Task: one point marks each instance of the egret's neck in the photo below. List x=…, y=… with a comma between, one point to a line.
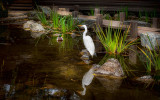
x=85, y=31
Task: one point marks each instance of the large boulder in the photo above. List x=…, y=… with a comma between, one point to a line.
x=150, y=40
x=111, y=68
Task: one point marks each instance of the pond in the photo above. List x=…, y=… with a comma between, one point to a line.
x=55, y=72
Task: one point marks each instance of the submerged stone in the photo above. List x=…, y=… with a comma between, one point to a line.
x=111, y=68
x=84, y=52
x=150, y=39
x=145, y=79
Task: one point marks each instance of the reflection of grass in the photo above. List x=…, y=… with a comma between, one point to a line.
x=116, y=43
x=67, y=43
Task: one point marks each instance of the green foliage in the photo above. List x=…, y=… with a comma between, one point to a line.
x=125, y=9
x=91, y=12
x=146, y=16
x=41, y=16
x=55, y=19
x=67, y=43
x=108, y=17
x=140, y=15
x=115, y=43
x=70, y=24
x=63, y=26
x=153, y=58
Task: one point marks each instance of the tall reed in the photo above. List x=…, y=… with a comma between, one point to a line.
x=153, y=57
x=114, y=41
x=41, y=16
x=55, y=19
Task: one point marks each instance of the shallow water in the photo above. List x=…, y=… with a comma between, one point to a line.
x=55, y=72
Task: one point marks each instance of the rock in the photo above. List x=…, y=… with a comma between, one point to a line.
x=85, y=57
x=64, y=12
x=32, y=14
x=35, y=27
x=87, y=61
x=85, y=52
x=154, y=40
x=111, y=68
x=74, y=97
x=46, y=10
x=28, y=24
x=145, y=79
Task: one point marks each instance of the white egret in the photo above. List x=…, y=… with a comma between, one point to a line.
x=88, y=42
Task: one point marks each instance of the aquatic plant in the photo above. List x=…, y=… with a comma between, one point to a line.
x=116, y=43
x=125, y=9
x=140, y=15
x=55, y=19
x=146, y=16
x=153, y=57
x=108, y=17
x=71, y=24
x=41, y=16
x=126, y=12
x=91, y=12
x=67, y=43
x=63, y=24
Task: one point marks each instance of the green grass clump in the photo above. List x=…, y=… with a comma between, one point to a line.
x=63, y=24
x=114, y=41
x=55, y=19
x=41, y=16
x=152, y=58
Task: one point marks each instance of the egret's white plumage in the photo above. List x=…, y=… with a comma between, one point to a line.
x=88, y=42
